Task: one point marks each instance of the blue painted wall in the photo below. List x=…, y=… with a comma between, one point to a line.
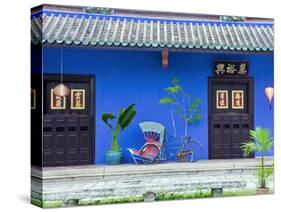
x=125, y=77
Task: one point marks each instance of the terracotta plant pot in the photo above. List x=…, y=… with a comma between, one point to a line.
x=262, y=191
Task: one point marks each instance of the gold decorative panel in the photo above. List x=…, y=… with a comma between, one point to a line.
x=237, y=99
x=77, y=99
x=57, y=102
x=222, y=99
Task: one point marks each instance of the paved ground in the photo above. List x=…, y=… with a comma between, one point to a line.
x=102, y=182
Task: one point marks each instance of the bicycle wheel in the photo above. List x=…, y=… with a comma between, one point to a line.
x=194, y=150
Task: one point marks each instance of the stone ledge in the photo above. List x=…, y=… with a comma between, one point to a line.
x=103, y=171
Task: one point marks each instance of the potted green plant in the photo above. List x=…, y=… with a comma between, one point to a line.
x=262, y=142
x=185, y=107
x=125, y=116
x=182, y=105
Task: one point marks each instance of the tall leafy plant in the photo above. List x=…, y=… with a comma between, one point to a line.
x=124, y=118
x=262, y=142
x=182, y=105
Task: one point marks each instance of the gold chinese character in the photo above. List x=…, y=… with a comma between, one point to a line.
x=58, y=101
x=237, y=96
x=78, y=99
x=222, y=99
x=230, y=69
x=242, y=69
x=237, y=102
x=220, y=69
x=222, y=102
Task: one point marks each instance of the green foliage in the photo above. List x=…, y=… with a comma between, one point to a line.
x=266, y=173
x=182, y=104
x=260, y=141
x=36, y=202
x=178, y=196
x=125, y=117
x=243, y=192
x=137, y=198
x=167, y=100
x=248, y=148
x=53, y=204
x=106, y=116
x=173, y=89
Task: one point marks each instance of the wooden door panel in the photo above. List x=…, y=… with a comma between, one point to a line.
x=235, y=138
x=217, y=137
x=48, y=141
x=68, y=131
x=84, y=140
x=72, y=157
x=84, y=155
x=60, y=141
x=229, y=125
x=72, y=141
x=226, y=144
x=48, y=158
x=236, y=147
x=59, y=157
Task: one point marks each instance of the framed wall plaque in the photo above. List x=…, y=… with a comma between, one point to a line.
x=57, y=102
x=222, y=99
x=237, y=99
x=231, y=68
x=77, y=99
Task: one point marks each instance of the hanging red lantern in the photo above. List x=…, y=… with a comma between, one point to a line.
x=269, y=92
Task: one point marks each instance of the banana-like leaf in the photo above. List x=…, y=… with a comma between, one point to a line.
x=126, y=116
x=106, y=117
x=129, y=118
x=121, y=111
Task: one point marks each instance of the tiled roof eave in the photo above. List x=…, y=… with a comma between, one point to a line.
x=106, y=31
x=151, y=48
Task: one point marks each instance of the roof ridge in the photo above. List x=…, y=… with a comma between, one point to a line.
x=144, y=13
x=58, y=12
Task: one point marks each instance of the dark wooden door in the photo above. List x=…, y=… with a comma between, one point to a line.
x=68, y=124
x=230, y=116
